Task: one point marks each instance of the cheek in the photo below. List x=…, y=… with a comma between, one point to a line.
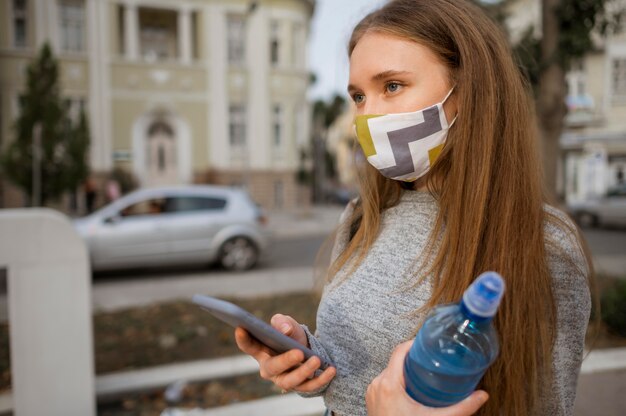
x=408, y=101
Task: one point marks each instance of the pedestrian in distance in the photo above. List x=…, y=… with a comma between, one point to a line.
x=452, y=188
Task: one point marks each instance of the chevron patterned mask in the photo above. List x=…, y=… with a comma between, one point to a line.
x=403, y=146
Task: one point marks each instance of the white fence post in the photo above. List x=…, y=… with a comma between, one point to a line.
x=49, y=297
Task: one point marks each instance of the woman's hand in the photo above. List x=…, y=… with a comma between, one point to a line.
x=286, y=370
x=386, y=394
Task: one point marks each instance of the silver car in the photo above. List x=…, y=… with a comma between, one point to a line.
x=176, y=225
x=608, y=210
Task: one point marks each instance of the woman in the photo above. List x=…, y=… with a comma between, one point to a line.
x=452, y=188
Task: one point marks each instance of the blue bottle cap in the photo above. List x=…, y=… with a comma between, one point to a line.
x=483, y=296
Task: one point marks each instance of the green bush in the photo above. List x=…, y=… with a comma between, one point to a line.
x=614, y=307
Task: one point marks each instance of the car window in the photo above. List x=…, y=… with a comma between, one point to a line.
x=616, y=192
x=155, y=206
x=195, y=203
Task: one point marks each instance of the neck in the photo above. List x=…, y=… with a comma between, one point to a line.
x=420, y=185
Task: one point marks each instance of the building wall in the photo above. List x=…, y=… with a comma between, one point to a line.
x=125, y=93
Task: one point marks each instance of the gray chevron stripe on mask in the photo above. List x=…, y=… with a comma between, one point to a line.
x=400, y=139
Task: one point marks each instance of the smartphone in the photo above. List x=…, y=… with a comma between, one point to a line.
x=260, y=330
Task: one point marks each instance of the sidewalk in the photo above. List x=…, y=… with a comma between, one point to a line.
x=304, y=222
x=251, y=284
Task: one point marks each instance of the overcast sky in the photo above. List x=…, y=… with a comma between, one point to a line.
x=330, y=31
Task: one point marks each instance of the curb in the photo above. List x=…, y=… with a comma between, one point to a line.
x=256, y=283
x=162, y=376
x=602, y=360
x=284, y=405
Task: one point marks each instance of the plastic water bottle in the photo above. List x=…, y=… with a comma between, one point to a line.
x=455, y=346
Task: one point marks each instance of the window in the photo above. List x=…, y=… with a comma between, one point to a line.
x=157, y=34
x=619, y=77
x=161, y=158
x=237, y=125
x=195, y=47
x=299, y=133
x=19, y=23
x=278, y=122
x=275, y=43
x=577, y=100
x=75, y=106
x=72, y=15
x=147, y=207
x=195, y=203
x=236, y=40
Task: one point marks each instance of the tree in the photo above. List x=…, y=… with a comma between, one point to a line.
x=43, y=127
x=324, y=114
x=568, y=31
x=568, y=28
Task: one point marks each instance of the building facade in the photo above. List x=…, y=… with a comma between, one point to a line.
x=177, y=91
x=594, y=141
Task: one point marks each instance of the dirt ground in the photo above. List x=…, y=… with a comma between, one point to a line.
x=168, y=333
x=180, y=331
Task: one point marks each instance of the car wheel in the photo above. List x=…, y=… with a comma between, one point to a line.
x=587, y=220
x=238, y=254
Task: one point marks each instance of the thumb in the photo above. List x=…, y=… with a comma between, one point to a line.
x=283, y=323
x=468, y=406
x=290, y=327
x=396, y=362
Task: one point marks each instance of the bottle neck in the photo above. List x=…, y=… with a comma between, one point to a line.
x=472, y=317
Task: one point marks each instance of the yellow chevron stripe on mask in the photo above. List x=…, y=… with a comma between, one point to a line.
x=363, y=134
x=434, y=153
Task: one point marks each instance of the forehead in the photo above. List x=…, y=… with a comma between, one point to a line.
x=378, y=52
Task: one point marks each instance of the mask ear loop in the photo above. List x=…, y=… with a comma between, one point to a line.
x=448, y=95
x=444, y=101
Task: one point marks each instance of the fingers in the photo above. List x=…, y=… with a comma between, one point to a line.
x=396, y=362
x=292, y=379
x=250, y=345
x=274, y=366
x=469, y=406
x=287, y=373
x=286, y=370
x=317, y=382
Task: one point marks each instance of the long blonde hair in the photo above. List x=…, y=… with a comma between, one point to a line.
x=488, y=185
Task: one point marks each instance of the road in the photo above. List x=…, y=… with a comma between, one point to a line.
x=606, y=242
x=283, y=254
x=297, y=252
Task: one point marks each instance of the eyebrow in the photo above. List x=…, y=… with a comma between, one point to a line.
x=382, y=75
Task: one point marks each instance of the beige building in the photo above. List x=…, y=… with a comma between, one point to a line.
x=177, y=91
x=594, y=141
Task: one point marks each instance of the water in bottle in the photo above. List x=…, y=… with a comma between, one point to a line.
x=455, y=346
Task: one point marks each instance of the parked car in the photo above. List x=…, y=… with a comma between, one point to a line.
x=176, y=225
x=608, y=210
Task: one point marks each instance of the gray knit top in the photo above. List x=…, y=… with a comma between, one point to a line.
x=362, y=319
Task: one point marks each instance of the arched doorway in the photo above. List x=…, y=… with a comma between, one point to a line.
x=161, y=157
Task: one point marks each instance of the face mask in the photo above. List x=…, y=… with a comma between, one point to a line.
x=403, y=146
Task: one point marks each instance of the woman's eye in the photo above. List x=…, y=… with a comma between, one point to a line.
x=358, y=98
x=393, y=87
